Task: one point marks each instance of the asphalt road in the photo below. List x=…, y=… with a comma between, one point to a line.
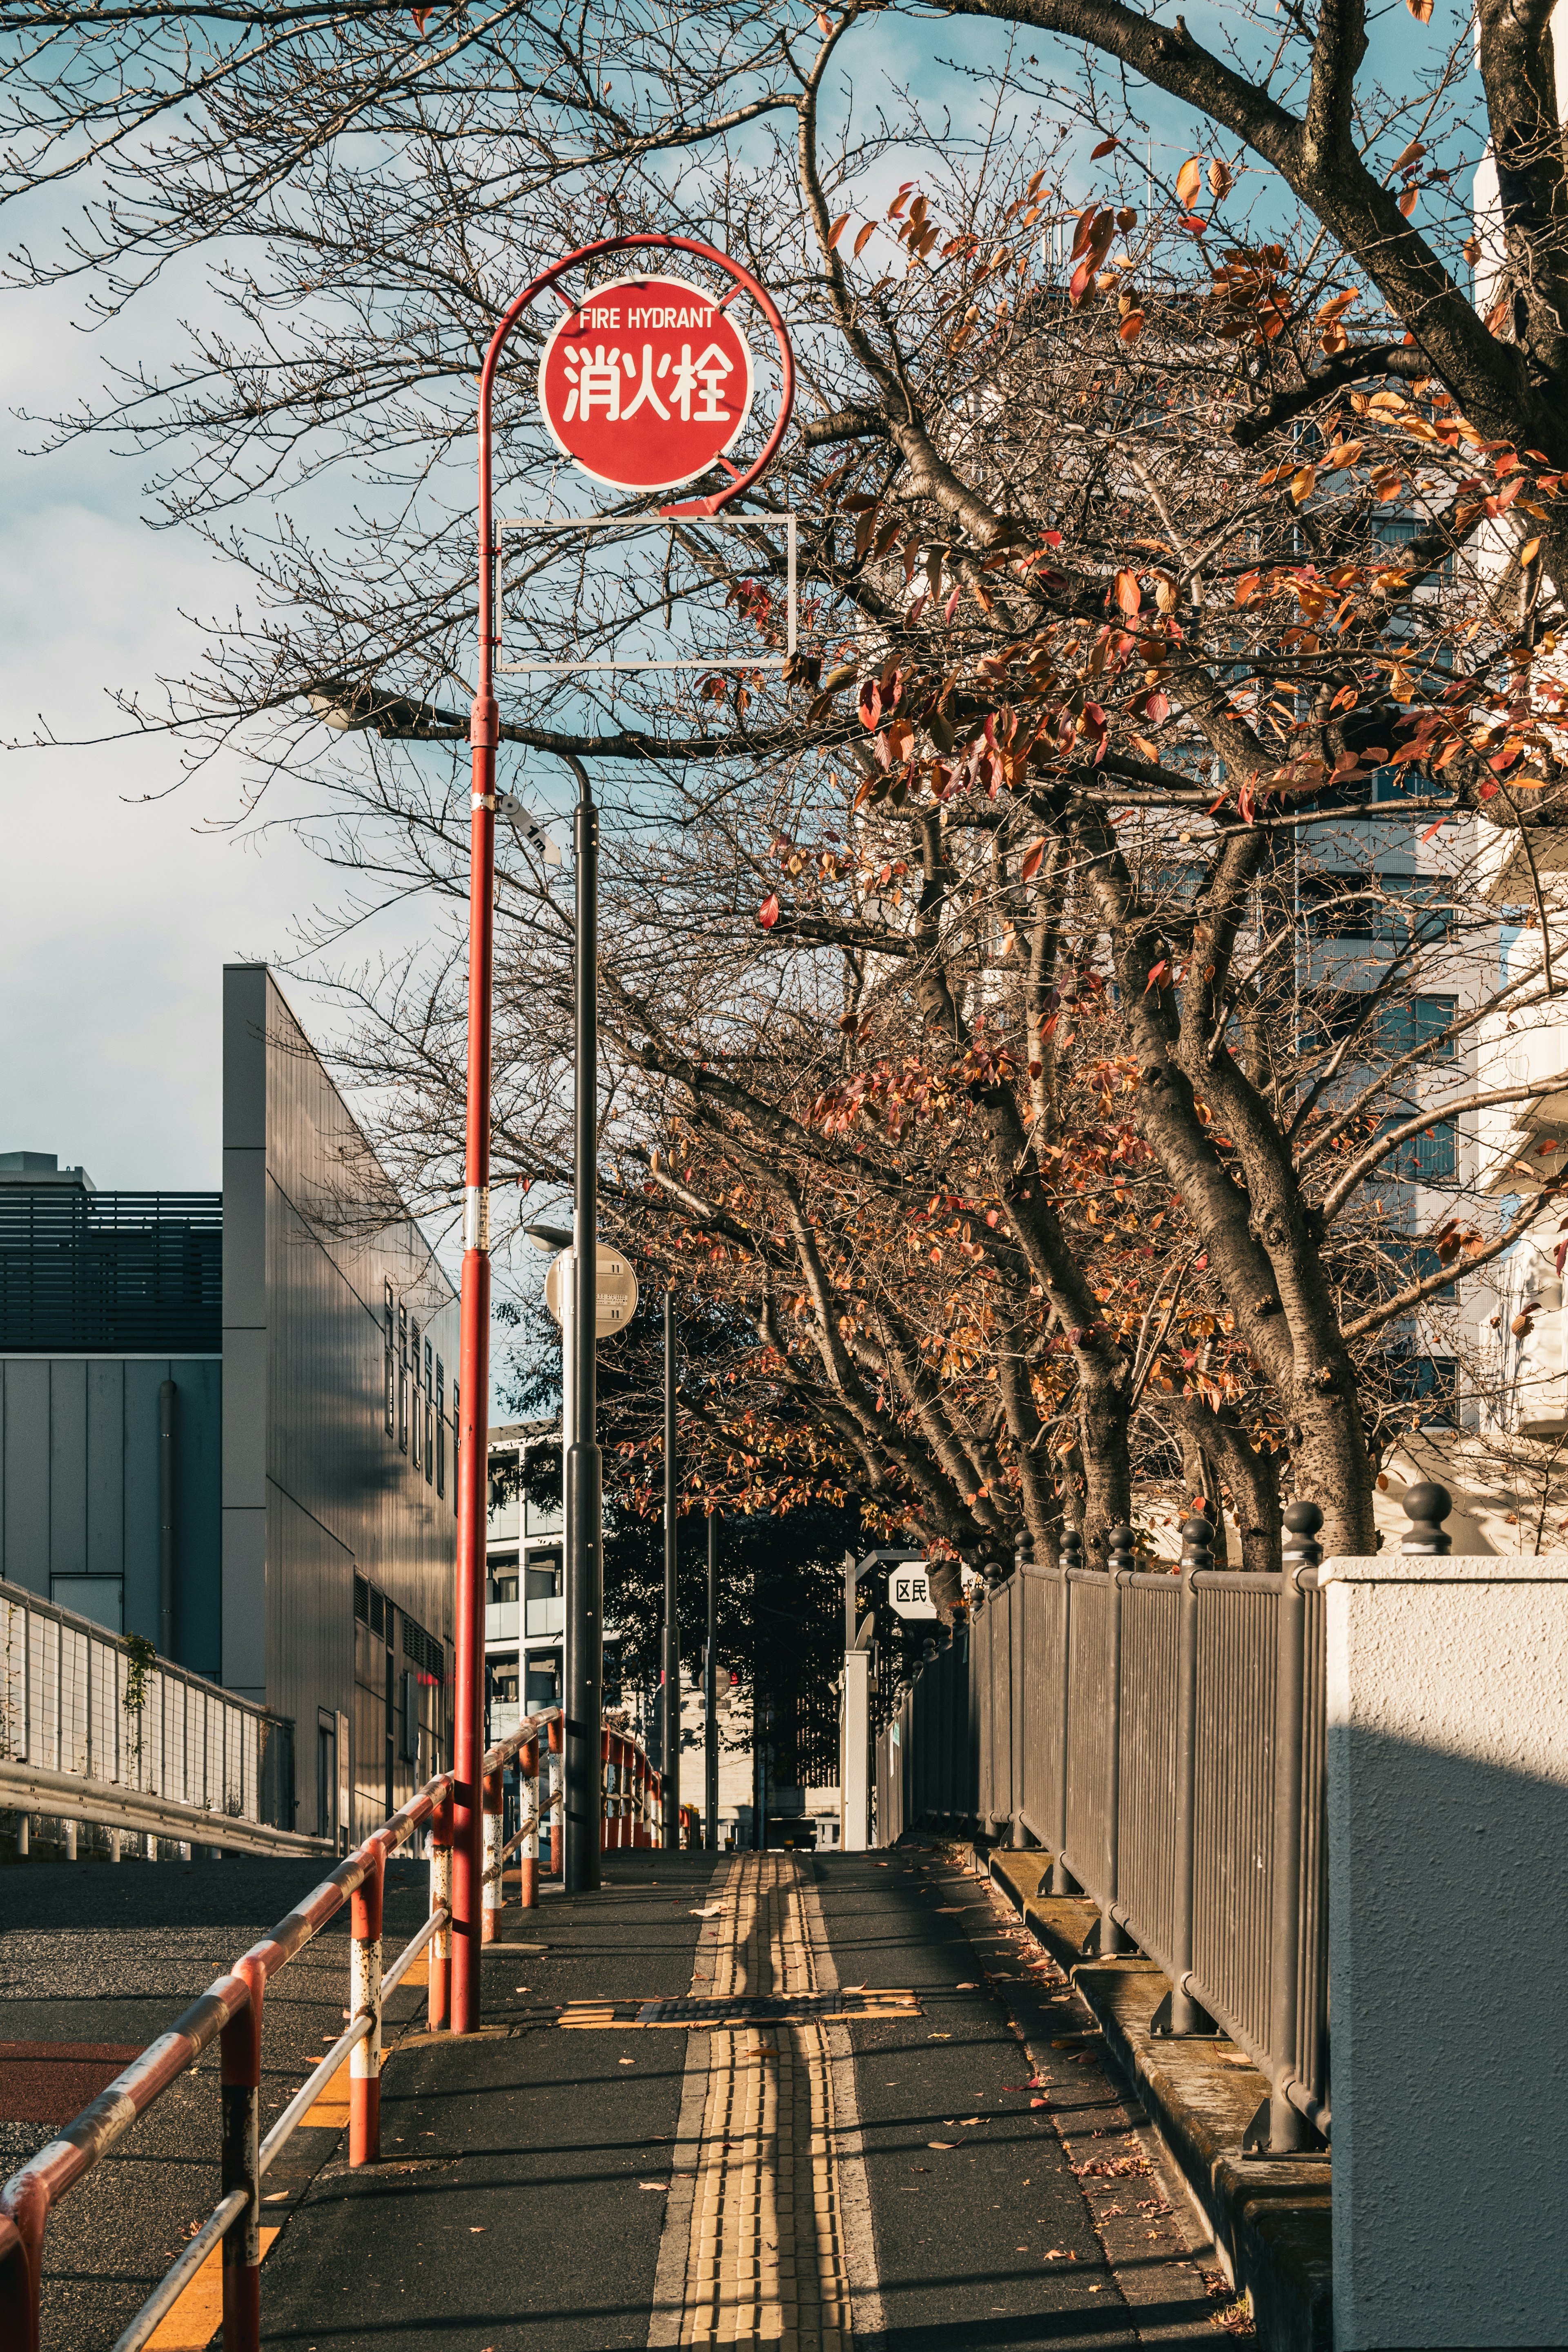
x=521, y=2199
x=109, y=1954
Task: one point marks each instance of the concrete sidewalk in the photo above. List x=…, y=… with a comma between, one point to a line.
x=882, y=2183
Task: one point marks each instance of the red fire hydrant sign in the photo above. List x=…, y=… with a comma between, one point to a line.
x=646, y=383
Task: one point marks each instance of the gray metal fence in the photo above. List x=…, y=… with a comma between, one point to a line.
x=1162, y=1736
x=75, y=1699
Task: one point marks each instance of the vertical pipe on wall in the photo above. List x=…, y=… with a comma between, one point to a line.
x=669, y=1727
x=166, y=1518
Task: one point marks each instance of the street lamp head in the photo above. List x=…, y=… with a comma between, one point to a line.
x=340, y=705
x=549, y=1237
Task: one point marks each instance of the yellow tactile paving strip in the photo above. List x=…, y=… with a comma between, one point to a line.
x=765, y=2257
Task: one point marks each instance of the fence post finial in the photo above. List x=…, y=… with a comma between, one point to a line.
x=1121, y=1552
x=1197, y=1539
x=1071, y=1548
x=1301, y=1548
x=1427, y=1506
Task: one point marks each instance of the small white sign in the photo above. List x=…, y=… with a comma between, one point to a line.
x=615, y=1283
x=908, y=1589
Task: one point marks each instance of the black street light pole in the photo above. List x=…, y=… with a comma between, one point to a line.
x=671, y=1725
x=710, y=1695
x=584, y=1469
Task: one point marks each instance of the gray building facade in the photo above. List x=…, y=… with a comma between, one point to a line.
x=340, y=1339
x=250, y=1399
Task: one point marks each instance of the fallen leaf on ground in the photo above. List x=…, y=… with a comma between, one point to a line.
x=625, y=2062
x=709, y=1911
x=965, y=2121
x=477, y=2228
x=1040, y=2103
x=966, y=1988
x=653, y=2184
x=942, y=2143
x=939, y=2037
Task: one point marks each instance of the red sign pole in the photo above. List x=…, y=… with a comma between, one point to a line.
x=665, y=393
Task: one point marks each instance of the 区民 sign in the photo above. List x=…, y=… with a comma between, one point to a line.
x=908, y=1589
x=646, y=383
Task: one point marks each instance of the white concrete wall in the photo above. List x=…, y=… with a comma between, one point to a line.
x=1447, y=1802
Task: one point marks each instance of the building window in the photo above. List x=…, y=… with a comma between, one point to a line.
x=1409, y=1024
x=402, y=1378
x=456, y=1443
x=1429, y=1158
x=389, y=1346
x=440, y=1426
x=419, y=1407
x=429, y=1415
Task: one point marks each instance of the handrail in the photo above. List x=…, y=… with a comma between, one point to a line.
x=230, y=2010
x=77, y=1797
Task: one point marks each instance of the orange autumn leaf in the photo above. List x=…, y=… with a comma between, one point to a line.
x=837, y=231
x=1189, y=180
x=1129, y=594
x=1034, y=857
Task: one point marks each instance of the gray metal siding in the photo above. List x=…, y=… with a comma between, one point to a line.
x=25, y=1552
x=80, y=1485
x=67, y=1459
x=313, y=1488
x=106, y=1436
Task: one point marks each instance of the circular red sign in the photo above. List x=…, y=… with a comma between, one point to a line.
x=646, y=383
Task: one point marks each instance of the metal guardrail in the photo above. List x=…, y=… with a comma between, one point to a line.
x=1163, y=1736
x=70, y=1797
x=231, y=2011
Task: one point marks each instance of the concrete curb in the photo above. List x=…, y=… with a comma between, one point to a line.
x=1269, y=2221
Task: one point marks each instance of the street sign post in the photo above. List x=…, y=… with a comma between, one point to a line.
x=715, y=403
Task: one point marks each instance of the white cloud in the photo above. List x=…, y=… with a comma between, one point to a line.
x=119, y=911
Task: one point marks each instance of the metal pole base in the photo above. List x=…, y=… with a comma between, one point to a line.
x=1179, y=2018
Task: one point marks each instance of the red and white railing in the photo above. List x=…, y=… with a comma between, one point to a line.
x=231, y=2010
